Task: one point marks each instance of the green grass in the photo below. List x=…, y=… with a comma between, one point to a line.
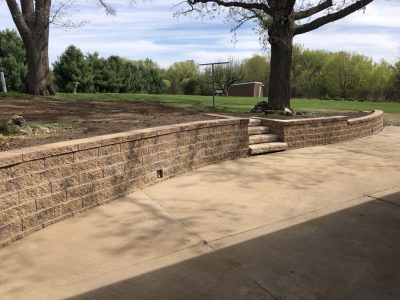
x=232, y=104
x=19, y=95
x=316, y=105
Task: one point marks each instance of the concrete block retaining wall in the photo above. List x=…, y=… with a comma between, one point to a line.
x=45, y=184
x=299, y=133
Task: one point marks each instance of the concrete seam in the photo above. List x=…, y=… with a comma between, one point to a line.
x=284, y=220
x=262, y=287
x=203, y=241
x=243, y=273
x=128, y=266
x=383, y=200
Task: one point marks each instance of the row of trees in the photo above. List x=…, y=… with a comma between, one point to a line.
x=277, y=22
x=115, y=74
x=119, y=75
x=314, y=73
x=188, y=78
x=344, y=75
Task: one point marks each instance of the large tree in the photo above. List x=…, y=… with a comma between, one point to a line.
x=72, y=66
x=281, y=20
x=32, y=19
x=257, y=70
x=182, y=77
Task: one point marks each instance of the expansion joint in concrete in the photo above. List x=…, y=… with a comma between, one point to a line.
x=383, y=200
x=204, y=242
x=262, y=287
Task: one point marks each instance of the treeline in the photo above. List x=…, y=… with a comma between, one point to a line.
x=115, y=74
x=343, y=75
x=315, y=74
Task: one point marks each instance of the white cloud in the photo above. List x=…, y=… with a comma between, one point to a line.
x=150, y=30
x=381, y=13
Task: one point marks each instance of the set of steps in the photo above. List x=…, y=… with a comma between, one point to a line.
x=261, y=141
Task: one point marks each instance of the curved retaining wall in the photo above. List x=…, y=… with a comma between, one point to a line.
x=327, y=130
x=46, y=184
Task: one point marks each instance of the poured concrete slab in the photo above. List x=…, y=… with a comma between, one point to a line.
x=313, y=223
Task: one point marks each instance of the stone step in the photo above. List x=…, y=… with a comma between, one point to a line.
x=267, y=148
x=258, y=130
x=254, y=122
x=262, y=138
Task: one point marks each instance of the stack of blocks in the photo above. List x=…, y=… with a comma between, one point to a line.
x=46, y=184
x=298, y=133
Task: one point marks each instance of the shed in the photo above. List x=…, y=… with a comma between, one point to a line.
x=248, y=89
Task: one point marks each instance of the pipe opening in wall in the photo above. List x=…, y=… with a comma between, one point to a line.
x=160, y=173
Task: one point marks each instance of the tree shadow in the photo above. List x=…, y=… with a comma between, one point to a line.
x=349, y=254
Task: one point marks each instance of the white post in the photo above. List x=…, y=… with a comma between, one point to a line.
x=3, y=82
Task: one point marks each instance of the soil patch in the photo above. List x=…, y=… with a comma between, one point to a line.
x=76, y=119
x=57, y=121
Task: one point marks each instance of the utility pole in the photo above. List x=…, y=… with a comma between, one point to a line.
x=213, y=76
x=3, y=80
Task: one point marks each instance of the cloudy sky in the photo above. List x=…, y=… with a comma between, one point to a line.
x=150, y=30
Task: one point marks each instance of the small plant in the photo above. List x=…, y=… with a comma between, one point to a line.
x=8, y=129
x=3, y=127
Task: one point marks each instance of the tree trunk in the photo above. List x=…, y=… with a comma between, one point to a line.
x=281, y=40
x=32, y=19
x=39, y=80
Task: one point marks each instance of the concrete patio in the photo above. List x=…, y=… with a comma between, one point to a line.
x=312, y=223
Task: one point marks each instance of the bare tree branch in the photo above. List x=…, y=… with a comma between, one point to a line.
x=241, y=21
x=18, y=18
x=109, y=10
x=313, y=10
x=331, y=17
x=60, y=17
x=246, y=5
x=27, y=7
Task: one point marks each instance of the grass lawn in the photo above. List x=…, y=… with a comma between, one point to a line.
x=234, y=104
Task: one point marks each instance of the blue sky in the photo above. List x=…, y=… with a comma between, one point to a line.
x=149, y=30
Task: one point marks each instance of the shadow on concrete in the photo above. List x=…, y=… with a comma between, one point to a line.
x=349, y=254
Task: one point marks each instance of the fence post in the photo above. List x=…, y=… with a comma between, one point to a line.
x=3, y=82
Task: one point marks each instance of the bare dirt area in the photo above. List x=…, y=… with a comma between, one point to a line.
x=75, y=119
x=67, y=120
